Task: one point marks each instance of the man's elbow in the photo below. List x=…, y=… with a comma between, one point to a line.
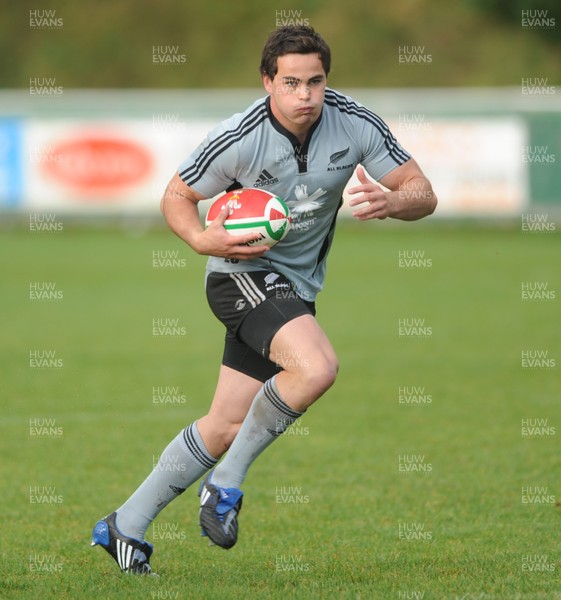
x=432, y=203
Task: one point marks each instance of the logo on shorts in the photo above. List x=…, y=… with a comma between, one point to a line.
x=240, y=304
x=270, y=284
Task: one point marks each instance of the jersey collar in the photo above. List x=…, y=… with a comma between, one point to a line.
x=300, y=150
x=281, y=129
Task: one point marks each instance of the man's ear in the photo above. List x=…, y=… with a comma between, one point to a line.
x=267, y=83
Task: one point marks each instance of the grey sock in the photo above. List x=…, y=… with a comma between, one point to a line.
x=268, y=417
x=183, y=462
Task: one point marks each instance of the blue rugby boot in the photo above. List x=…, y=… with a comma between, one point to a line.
x=218, y=514
x=132, y=556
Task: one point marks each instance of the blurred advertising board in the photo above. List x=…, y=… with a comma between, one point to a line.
x=11, y=162
x=119, y=165
x=103, y=166
x=475, y=165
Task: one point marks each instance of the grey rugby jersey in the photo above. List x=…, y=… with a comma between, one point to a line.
x=252, y=149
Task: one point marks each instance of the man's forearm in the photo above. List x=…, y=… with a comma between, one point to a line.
x=183, y=219
x=414, y=200
x=181, y=213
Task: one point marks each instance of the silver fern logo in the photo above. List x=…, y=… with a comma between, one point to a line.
x=337, y=156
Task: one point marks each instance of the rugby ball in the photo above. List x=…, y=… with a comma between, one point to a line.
x=253, y=210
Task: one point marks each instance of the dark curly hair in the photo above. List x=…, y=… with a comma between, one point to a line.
x=293, y=39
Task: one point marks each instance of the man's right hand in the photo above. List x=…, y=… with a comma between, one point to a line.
x=179, y=206
x=216, y=241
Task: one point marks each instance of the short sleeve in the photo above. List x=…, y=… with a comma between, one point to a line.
x=381, y=151
x=211, y=167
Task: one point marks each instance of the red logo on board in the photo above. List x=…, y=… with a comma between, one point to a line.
x=100, y=164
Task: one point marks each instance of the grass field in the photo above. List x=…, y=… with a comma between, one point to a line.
x=371, y=495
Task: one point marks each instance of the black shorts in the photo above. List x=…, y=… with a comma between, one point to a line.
x=253, y=306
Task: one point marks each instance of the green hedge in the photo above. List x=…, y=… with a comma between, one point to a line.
x=110, y=43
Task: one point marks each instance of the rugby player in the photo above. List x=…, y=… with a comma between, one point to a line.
x=302, y=142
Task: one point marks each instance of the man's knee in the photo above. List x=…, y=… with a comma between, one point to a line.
x=314, y=375
x=321, y=375
x=219, y=434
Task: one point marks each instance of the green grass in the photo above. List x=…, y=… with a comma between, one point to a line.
x=342, y=539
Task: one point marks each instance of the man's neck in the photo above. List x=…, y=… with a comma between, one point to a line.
x=300, y=133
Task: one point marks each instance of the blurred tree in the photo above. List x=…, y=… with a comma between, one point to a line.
x=121, y=43
x=513, y=12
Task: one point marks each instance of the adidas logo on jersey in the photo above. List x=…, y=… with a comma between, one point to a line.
x=265, y=178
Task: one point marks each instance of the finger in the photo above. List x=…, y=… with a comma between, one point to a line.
x=363, y=180
x=362, y=175
x=365, y=188
x=219, y=222
x=247, y=252
x=357, y=189
x=221, y=217
x=358, y=200
x=370, y=212
x=244, y=240
x=362, y=214
x=374, y=192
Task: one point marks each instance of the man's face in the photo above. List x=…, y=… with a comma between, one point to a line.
x=297, y=90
